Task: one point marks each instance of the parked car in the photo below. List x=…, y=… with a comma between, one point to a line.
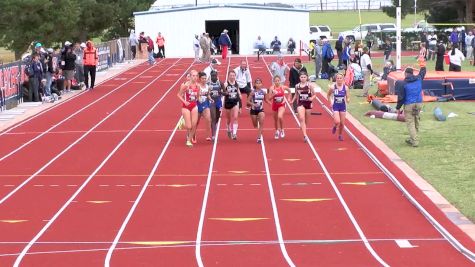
x=359, y=33
x=421, y=26
x=320, y=32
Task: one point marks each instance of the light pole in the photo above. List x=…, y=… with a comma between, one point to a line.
x=415, y=13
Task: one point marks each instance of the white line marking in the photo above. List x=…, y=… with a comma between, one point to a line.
x=78, y=191
x=67, y=118
x=199, y=233
x=340, y=197
x=446, y=234
x=275, y=212
x=67, y=100
x=80, y=138
x=145, y=186
x=404, y=243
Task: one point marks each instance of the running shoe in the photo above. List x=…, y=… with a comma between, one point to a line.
x=234, y=136
x=334, y=129
x=193, y=139
x=259, y=140
x=276, y=135
x=282, y=133
x=305, y=139
x=209, y=138
x=189, y=144
x=229, y=134
x=340, y=138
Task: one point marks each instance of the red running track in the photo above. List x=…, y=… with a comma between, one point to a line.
x=130, y=193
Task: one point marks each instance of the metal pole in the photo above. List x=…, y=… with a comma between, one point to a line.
x=415, y=13
x=398, y=36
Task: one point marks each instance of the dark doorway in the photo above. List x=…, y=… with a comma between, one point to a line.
x=216, y=27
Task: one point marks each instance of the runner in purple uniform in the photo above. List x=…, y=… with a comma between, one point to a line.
x=339, y=97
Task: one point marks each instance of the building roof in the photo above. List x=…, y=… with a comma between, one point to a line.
x=219, y=6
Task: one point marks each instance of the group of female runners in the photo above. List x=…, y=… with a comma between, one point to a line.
x=205, y=99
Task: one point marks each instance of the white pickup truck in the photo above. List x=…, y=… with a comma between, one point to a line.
x=359, y=33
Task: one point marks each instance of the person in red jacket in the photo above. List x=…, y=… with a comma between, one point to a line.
x=90, y=58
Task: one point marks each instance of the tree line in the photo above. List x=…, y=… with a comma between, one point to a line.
x=51, y=22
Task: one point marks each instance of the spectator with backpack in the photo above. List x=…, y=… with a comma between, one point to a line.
x=327, y=57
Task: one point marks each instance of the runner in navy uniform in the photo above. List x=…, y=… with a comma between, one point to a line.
x=215, y=87
x=304, y=95
x=231, y=104
x=339, y=97
x=256, y=102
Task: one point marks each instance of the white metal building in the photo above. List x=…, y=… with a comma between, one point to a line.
x=244, y=23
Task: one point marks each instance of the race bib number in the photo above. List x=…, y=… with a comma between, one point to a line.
x=214, y=93
x=303, y=97
x=339, y=99
x=203, y=99
x=279, y=99
x=233, y=95
x=258, y=104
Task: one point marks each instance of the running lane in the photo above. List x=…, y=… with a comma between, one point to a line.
x=160, y=229
x=87, y=102
x=401, y=234
x=314, y=223
x=238, y=222
x=39, y=199
x=397, y=231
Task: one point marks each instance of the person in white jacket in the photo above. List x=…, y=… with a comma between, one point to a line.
x=196, y=48
x=456, y=58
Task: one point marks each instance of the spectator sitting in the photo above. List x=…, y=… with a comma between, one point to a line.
x=259, y=44
x=291, y=46
x=275, y=44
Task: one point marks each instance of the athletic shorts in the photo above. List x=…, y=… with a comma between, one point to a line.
x=245, y=90
x=276, y=106
x=202, y=106
x=230, y=105
x=217, y=102
x=339, y=107
x=190, y=107
x=305, y=104
x=255, y=112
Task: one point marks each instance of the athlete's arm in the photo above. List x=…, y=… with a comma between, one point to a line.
x=249, y=99
x=180, y=94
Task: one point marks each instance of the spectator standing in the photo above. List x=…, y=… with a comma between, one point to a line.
x=432, y=38
x=456, y=57
x=204, y=44
x=208, y=70
x=196, y=48
x=346, y=55
x=454, y=36
x=463, y=44
x=370, y=40
x=35, y=72
x=294, y=78
x=69, y=59
x=79, y=52
x=423, y=51
x=409, y=94
x=388, y=48
x=339, y=49
x=367, y=68
x=224, y=43
x=327, y=57
x=161, y=45
x=275, y=45
x=150, y=50
x=49, y=71
x=469, y=42
x=279, y=68
x=318, y=58
x=134, y=42
x=90, y=62
x=291, y=46
x=440, y=52
x=243, y=79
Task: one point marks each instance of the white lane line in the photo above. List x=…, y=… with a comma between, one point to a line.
x=67, y=118
x=446, y=234
x=136, y=202
x=199, y=233
x=338, y=193
x=275, y=212
x=79, y=139
x=86, y=182
x=67, y=100
x=145, y=186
